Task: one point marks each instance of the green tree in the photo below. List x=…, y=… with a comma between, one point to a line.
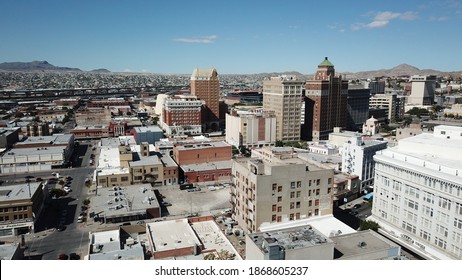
x=365, y=225
x=279, y=143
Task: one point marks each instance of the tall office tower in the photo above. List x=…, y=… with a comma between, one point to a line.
x=327, y=101
x=357, y=107
x=391, y=102
x=376, y=87
x=206, y=86
x=283, y=96
x=275, y=185
x=422, y=90
x=418, y=193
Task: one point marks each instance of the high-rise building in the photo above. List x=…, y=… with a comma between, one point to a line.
x=422, y=90
x=251, y=129
x=181, y=115
x=206, y=86
x=283, y=96
x=418, y=193
x=327, y=101
x=393, y=104
x=278, y=186
x=376, y=87
x=358, y=107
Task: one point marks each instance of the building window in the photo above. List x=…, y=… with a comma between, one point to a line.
x=291, y=217
x=318, y=191
x=273, y=218
x=113, y=180
x=274, y=187
x=124, y=179
x=299, y=193
x=279, y=198
x=292, y=185
x=292, y=194
x=279, y=208
x=273, y=207
x=279, y=219
x=279, y=188
x=297, y=204
x=316, y=202
x=292, y=205
x=458, y=223
x=102, y=181
x=316, y=212
x=299, y=184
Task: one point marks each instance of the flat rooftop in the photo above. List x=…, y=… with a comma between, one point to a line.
x=172, y=234
x=358, y=244
x=124, y=201
x=327, y=225
x=291, y=238
x=35, y=151
x=144, y=129
x=215, y=165
x=18, y=192
x=107, y=245
x=206, y=145
x=165, y=236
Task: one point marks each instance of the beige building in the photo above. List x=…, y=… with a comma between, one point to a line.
x=283, y=95
x=423, y=90
x=277, y=187
x=124, y=164
x=391, y=102
x=252, y=129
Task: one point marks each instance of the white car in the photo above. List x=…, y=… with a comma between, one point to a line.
x=67, y=189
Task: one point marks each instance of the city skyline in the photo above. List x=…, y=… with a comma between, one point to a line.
x=233, y=37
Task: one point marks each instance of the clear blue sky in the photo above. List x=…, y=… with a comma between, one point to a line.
x=233, y=36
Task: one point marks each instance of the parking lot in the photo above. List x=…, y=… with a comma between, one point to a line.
x=203, y=202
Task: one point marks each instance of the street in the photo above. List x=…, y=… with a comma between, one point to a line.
x=47, y=243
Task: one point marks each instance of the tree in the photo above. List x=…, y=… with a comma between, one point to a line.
x=279, y=143
x=235, y=150
x=365, y=225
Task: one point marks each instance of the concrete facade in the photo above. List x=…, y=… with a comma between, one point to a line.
x=283, y=95
x=251, y=129
x=278, y=187
x=418, y=193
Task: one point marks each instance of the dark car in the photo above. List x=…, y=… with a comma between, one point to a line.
x=354, y=213
x=357, y=206
x=74, y=256
x=63, y=257
x=61, y=227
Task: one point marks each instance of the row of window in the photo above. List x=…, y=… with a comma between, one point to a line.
x=13, y=209
x=15, y=217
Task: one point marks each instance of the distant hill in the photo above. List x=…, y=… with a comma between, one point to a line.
x=34, y=66
x=400, y=70
x=101, y=70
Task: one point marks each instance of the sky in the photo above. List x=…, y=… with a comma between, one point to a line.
x=235, y=37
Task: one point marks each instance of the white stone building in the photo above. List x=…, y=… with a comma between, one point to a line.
x=357, y=158
x=418, y=193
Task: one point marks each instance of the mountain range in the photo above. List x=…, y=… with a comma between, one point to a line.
x=35, y=66
x=400, y=70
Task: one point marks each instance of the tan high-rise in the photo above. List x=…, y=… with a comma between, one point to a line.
x=283, y=96
x=206, y=86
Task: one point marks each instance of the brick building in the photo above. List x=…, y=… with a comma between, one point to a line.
x=206, y=86
x=326, y=102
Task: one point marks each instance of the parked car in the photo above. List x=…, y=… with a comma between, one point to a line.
x=357, y=206
x=74, y=256
x=63, y=257
x=165, y=203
